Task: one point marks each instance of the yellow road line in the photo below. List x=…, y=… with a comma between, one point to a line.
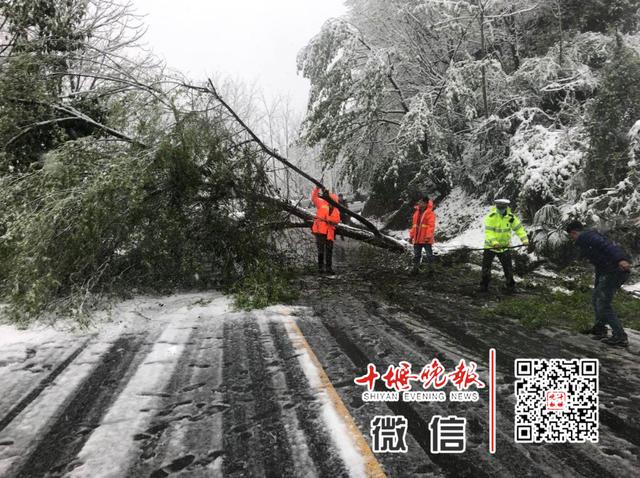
x=372, y=466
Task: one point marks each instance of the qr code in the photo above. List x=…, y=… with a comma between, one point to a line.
x=556, y=401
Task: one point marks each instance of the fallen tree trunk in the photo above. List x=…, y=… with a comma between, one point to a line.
x=379, y=240
x=343, y=210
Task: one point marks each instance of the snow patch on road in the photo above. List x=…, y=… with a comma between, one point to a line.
x=283, y=312
x=342, y=438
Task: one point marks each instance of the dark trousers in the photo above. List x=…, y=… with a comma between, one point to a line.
x=417, y=254
x=605, y=288
x=325, y=252
x=507, y=267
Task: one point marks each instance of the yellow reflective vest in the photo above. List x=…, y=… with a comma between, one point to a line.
x=498, y=229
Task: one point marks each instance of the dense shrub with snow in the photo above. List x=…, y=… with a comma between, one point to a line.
x=544, y=161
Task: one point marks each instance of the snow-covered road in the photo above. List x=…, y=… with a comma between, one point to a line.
x=175, y=385
x=184, y=386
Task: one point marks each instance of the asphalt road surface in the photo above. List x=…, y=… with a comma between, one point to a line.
x=183, y=386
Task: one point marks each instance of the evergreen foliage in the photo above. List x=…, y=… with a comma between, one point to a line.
x=115, y=176
x=615, y=110
x=533, y=101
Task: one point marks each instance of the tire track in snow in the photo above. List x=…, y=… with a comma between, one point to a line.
x=111, y=447
x=58, y=448
x=185, y=433
x=24, y=433
x=352, y=446
x=322, y=449
x=298, y=443
x=340, y=369
x=255, y=442
x=27, y=365
x=31, y=396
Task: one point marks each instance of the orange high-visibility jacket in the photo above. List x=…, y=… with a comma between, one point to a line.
x=424, y=225
x=327, y=216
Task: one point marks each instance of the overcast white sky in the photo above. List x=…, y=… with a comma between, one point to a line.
x=253, y=40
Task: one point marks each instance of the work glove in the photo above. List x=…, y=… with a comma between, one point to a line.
x=530, y=247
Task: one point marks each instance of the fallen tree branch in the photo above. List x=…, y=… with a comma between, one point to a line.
x=74, y=114
x=343, y=210
x=87, y=119
x=33, y=126
x=379, y=240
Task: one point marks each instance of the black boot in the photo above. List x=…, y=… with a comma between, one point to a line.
x=329, y=269
x=596, y=332
x=616, y=341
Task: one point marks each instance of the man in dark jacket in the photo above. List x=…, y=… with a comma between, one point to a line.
x=613, y=267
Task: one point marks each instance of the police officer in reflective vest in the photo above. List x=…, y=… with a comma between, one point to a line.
x=499, y=225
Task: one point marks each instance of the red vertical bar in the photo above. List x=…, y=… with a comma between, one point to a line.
x=492, y=400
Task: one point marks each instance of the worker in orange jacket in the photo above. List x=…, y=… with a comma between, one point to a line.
x=324, y=228
x=422, y=232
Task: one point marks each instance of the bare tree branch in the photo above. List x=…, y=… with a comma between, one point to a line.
x=33, y=126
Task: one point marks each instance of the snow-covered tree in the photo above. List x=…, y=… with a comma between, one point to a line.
x=529, y=100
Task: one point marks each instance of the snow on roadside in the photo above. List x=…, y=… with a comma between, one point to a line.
x=546, y=273
x=16, y=344
x=458, y=214
x=12, y=336
x=634, y=289
x=472, y=238
x=460, y=218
